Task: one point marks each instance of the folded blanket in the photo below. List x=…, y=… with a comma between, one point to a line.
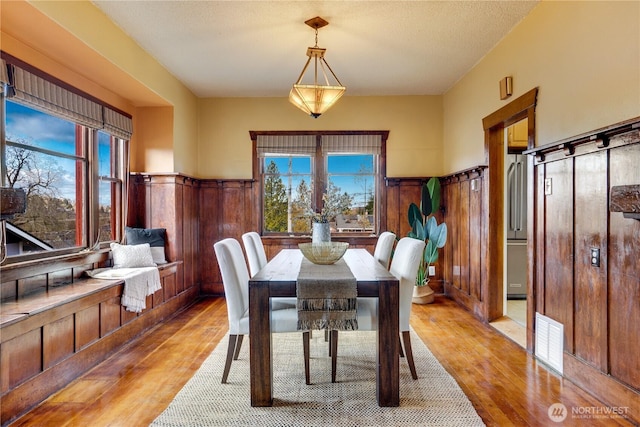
x=327, y=296
x=138, y=284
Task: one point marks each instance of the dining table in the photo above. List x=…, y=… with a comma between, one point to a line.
x=279, y=278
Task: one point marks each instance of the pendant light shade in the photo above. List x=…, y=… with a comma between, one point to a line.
x=316, y=98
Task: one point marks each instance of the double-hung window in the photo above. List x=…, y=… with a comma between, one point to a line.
x=332, y=176
x=68, y=153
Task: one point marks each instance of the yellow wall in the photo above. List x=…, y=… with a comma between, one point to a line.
x=583, y=56
x=75, y=42
x=154, y=126
x=413, y=148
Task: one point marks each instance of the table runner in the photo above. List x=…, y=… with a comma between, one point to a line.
x=327, y=296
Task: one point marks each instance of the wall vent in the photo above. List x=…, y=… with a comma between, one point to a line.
x=549, y=341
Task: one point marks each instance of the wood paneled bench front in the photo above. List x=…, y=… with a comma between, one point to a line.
x=49, y=338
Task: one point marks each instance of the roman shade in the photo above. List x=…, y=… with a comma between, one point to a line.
x=43, y=95
x=37, y=92
x=361, y=143
x=117, y=124
x=286, y=144
x=4, y=77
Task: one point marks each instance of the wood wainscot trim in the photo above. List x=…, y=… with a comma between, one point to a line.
x=618, y=135
x=461, y=260
x=86, y=323
x=603, y=386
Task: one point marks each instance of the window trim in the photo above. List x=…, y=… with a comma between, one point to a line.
x=381, y=202
x=115, y=123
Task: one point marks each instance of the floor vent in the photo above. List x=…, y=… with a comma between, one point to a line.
x=549, y=341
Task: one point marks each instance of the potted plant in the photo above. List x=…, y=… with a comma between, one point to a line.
x=424, y=226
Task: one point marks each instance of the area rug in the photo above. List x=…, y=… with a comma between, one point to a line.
x=435, y=399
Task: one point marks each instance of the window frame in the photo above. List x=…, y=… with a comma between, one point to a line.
x=89, y=180
x=319, y=174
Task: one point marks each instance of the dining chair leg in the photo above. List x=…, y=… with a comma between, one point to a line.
x=305, y=345
x=327, y=337
x=406, y=337
x=333, y=339
x=238, y=346
x=230, y=352
x=400, y=346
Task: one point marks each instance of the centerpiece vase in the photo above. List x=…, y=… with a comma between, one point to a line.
x=321, y=232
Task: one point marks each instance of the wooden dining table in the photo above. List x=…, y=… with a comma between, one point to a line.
x=278, y=279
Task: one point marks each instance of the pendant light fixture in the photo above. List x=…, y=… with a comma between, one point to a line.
x=314, y=99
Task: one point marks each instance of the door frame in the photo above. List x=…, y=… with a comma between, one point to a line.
x=493, y=201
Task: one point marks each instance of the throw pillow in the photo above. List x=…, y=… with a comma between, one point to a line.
x=155, y=237
x=132, y=256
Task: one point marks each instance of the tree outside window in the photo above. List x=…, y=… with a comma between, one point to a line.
x=304, y=174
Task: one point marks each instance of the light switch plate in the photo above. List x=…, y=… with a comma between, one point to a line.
x=432, y=270
x=595, y=257
x=547, y=187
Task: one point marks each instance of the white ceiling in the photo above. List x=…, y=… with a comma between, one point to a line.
x=258, y=48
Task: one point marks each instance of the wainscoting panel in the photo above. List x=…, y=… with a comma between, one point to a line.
x=558, y=248
x=624, y=273
x=586, y=258
x=463, y=256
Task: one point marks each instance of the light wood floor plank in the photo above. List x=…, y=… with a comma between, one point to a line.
x=506, y=385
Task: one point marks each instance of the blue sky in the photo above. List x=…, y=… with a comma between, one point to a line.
x=337, y=165
x=32, y=127
x=24, y=124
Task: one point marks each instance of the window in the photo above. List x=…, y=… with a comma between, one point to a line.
x=68, y=154
x=337, y=173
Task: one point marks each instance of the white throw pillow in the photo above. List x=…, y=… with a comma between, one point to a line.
x=132, y=256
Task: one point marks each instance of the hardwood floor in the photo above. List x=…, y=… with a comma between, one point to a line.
x=506, y=385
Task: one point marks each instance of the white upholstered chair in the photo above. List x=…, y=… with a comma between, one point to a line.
x=404, y=266
x=235, y=278
x=382, y=254
x=384, y=247
x=256, y=254
x=257, y=258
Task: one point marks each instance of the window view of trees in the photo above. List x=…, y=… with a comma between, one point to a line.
x=275, y=200
x=47, y=174
x=43, y=157
x=68, y=153
x=49, y=217
x=348, y=199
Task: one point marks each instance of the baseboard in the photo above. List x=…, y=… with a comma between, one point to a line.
x=602, y=386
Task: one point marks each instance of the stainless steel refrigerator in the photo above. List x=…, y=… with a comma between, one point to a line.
x=516, y=179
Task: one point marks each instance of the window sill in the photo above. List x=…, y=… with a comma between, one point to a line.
x=45, y=265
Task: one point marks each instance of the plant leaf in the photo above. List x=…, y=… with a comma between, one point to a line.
x=431, y=227
x=415, y=216
x=421, y=232
x=430, y=253
x=442, y=235
x=433, y=186
x=426, y=202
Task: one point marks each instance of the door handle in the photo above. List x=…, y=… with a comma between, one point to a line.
x=511, y=194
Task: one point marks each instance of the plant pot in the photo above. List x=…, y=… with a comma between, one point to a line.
x=321, y=232
x=423, y=294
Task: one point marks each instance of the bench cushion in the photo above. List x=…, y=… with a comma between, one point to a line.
x=132, y=256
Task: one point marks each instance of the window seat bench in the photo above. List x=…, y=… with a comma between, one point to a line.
x=49, y=338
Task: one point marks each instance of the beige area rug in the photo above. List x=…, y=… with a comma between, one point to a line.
x=435, y=399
